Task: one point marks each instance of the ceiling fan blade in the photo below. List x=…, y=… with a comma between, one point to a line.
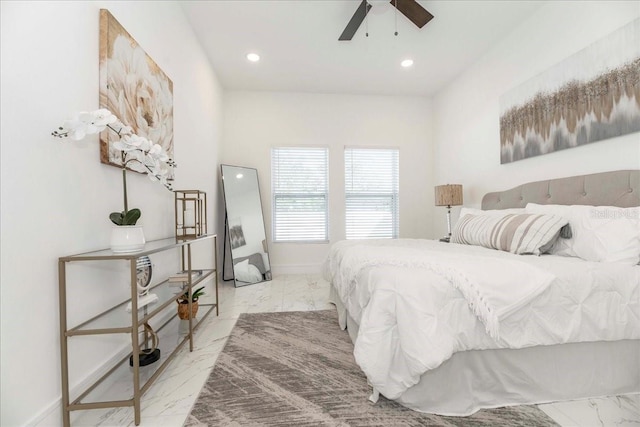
x=356, y=20
x=412, y=10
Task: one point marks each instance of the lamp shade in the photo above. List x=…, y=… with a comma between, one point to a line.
x=448, y=195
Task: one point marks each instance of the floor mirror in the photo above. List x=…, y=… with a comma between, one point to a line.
x=246, y=258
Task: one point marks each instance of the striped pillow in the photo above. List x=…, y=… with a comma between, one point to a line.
x=515, y=233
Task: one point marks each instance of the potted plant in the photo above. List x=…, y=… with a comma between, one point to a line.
x=138, y=154
x=183, y=303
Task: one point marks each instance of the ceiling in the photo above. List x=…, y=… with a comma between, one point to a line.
x=297, y=41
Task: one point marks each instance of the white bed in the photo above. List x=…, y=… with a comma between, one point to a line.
x=575, y=335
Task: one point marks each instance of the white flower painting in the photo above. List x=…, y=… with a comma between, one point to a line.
x=134, y=88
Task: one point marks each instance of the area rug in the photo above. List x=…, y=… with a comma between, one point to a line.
x=297, y=369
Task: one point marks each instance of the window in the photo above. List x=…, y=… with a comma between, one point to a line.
x=371, y=193
x=300, y=191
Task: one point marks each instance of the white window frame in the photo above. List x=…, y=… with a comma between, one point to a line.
x=278, y=195
x=382, y=190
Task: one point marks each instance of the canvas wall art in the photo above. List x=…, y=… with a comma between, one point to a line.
x=236, y=233
x=592, y=96
x=134, y=88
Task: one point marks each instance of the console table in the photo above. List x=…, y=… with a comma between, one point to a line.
x=117, y=320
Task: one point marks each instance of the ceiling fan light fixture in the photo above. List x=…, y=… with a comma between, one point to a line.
x=253, y=57
x=380, y=8
x=407, y=63
x=409, y=8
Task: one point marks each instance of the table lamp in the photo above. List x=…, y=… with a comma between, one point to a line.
x=448, y=195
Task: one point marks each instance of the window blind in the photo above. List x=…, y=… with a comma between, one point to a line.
x=300, y=192
x=371, y=193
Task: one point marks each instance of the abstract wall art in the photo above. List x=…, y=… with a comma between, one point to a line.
x=591, y=96
x=134, y=88
x=236, y=233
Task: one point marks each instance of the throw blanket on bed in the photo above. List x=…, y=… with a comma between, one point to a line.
x=494, y=288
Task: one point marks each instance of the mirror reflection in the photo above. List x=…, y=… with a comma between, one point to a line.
x=245, y=241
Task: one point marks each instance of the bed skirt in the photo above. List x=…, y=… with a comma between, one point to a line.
x=473, y=380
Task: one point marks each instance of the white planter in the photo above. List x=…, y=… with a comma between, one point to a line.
x=127, y=238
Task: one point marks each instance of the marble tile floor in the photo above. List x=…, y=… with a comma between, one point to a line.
x=168, y=402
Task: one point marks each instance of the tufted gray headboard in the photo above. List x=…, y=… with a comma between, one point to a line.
x=616, y=188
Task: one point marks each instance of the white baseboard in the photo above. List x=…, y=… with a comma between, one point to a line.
x=51, y=415
x=296, y=269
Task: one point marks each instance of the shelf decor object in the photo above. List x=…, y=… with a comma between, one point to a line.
x=448, y=195
x=148, y=355
x=144, y=268
x=127, y=238
x=183, y=303
x=190, y=214
x=151, y=328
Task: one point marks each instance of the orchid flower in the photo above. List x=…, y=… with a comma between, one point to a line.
x=137, y=152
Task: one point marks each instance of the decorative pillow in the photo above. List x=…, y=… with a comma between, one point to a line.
x=515, y=233
x=245, y=272
x=241, y=266
x=599, y=233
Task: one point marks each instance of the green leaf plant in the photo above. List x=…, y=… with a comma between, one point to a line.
x=184, y=298
x=125, y=217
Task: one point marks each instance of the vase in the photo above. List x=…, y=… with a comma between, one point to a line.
x=183, y=309
x=127, y=238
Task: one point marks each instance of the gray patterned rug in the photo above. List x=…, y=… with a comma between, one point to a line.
x=297, y=369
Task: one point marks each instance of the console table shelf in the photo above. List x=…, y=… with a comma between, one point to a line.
x=117, y=319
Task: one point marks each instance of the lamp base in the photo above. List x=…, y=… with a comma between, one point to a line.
x=446, y=239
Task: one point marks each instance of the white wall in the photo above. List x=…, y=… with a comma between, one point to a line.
x=257, y=121
x=466, y=113
x=56, y=196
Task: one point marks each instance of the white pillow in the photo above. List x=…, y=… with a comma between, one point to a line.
x=241, y=266
x=245, y=272
x=515, y=233
x=599, y=233
x=255, y=272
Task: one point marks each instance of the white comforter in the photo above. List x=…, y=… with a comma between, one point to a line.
x=413, y=316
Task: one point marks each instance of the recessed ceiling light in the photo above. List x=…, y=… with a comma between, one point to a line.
x=239, y=176
x=253, y=57
x=407, y=63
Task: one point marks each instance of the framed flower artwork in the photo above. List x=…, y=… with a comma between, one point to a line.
x=134, y=88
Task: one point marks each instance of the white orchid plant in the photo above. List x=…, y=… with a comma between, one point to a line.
x=137, y=153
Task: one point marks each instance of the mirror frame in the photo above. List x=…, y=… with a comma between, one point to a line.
x=227, y=252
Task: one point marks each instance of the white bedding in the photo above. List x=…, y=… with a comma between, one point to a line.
x=413, y=319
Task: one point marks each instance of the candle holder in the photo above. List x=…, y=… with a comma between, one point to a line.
x=190, y=214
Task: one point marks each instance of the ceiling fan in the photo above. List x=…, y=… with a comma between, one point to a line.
x=409, y=8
